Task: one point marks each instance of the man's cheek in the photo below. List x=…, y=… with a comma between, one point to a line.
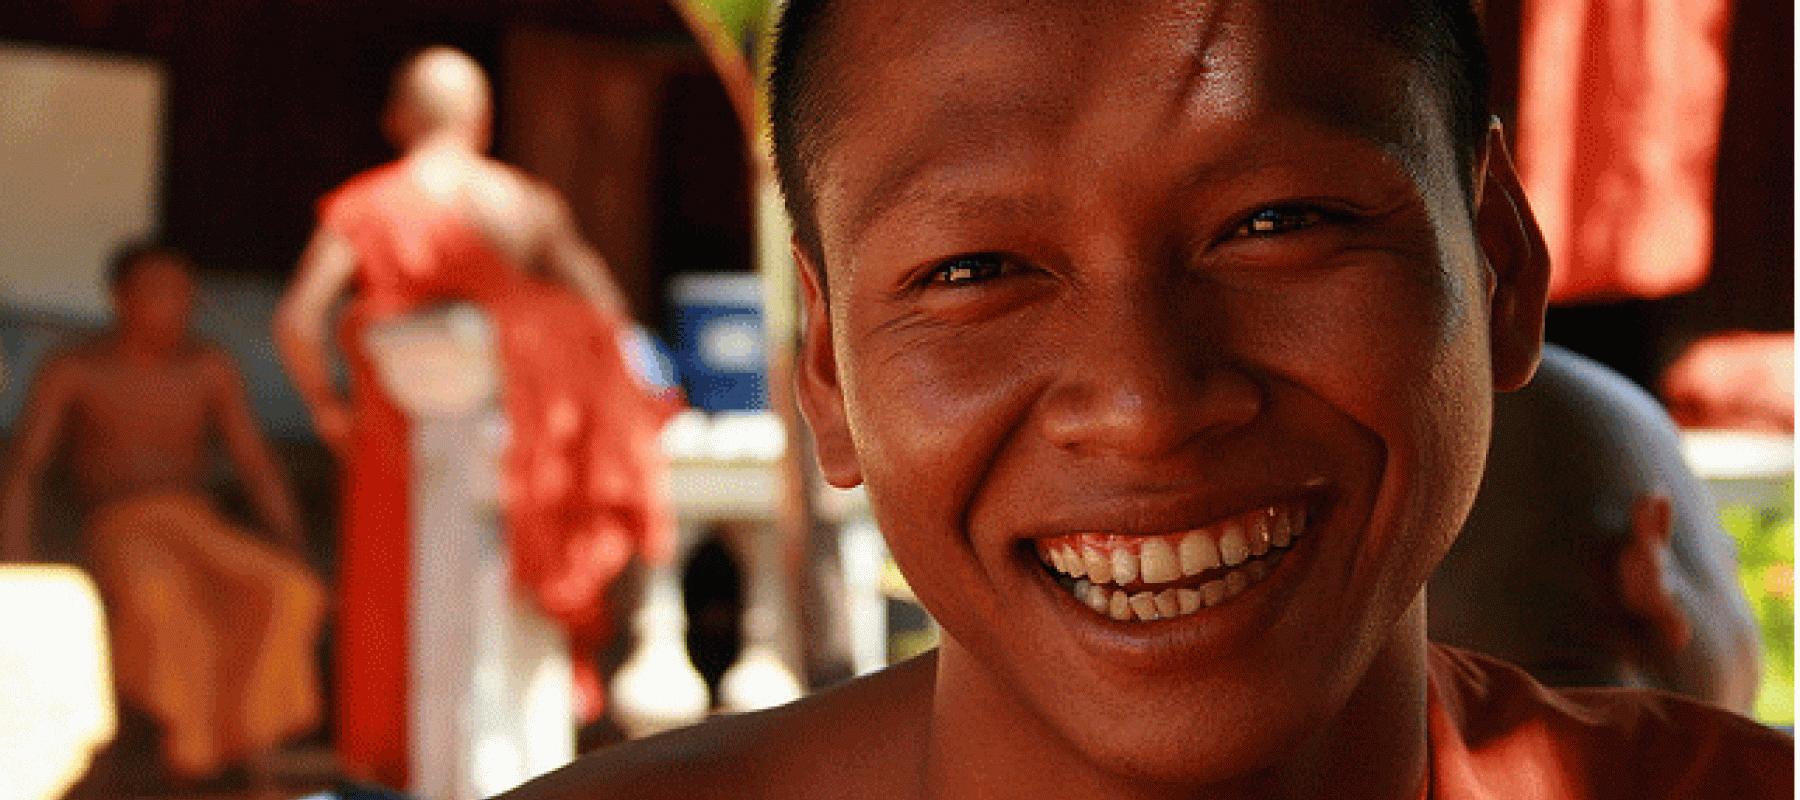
x=931, y=421
x=1366, y=346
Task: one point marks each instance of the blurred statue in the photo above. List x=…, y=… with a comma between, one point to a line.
x=581, y=478
x=212, y=629
x=1593, y=556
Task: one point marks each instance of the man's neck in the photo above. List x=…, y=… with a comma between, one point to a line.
x=986, y=743
x=132, y=349
x=445, y=143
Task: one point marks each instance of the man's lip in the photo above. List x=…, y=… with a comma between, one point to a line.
x=1166, y=515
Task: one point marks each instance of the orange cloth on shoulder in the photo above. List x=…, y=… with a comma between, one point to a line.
x=1496, y=733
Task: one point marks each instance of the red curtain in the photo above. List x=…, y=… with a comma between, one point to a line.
x=1618, y=133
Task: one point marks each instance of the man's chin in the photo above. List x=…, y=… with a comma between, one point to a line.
x=1178, y=747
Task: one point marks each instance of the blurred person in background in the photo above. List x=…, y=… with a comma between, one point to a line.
x=582, y=477
x=212, y=627
x=1593, y=555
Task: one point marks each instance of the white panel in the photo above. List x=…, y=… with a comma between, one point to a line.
x=80, y=142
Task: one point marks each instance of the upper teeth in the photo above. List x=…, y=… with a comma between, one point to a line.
x=1101, y=559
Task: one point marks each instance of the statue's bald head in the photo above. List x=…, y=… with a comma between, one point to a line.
x=439, y=90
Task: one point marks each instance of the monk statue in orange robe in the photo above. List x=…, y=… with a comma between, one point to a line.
x=582, y=476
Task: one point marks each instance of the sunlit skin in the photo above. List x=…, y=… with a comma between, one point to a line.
x=135, y=411
x=1129, y=274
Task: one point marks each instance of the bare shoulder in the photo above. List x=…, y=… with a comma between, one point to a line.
x=69, y=368
x=537, y=188
x=69, y=362
x=548, y=207
x=500, y=178
x=859, y=739
x=526, y=202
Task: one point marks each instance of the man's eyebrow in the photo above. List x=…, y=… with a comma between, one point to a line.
x=896, y=188
x=934, y=202
x=963, y=139
x=940, y=183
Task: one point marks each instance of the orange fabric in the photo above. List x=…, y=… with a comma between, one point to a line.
x=583, y=479
x=374, y=576
x=1496, y=733
x=212, y=630
x=1742, y=380
x=1618, y=132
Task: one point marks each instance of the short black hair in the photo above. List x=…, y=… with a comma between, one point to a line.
x=1444, y=35
x=128, y=257
x=794, y=99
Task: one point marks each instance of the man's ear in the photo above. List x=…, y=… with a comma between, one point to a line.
x=1643, y=587
x=821, y=396
x=1518, y=265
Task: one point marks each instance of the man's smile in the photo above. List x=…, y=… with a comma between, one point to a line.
x=1147, y=578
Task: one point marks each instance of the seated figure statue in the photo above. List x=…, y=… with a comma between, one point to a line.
x=212, y=628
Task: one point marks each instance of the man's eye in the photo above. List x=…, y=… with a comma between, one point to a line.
x=1279, y=219
x=969, y=269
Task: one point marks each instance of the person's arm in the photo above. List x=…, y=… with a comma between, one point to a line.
x=323, y=275
x=575, y=264
x=250, y=455
x=35, y=438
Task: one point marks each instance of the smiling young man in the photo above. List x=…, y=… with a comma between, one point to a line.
x=1164, y=337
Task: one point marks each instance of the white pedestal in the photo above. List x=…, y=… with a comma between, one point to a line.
x=492, y=698
x=657, y=688
x=492, y=701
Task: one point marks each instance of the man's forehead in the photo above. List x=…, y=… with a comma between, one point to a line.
x=952, y=79
x=959, y=40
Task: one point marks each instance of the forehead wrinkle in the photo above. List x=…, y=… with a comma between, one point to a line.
x=1211, y=51
x=1202, y=39
x=1235, y=60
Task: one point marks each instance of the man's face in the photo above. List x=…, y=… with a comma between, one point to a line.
x=156, y=298
x=1190, y=292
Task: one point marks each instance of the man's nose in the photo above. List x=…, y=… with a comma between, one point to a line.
x=1146, y=380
